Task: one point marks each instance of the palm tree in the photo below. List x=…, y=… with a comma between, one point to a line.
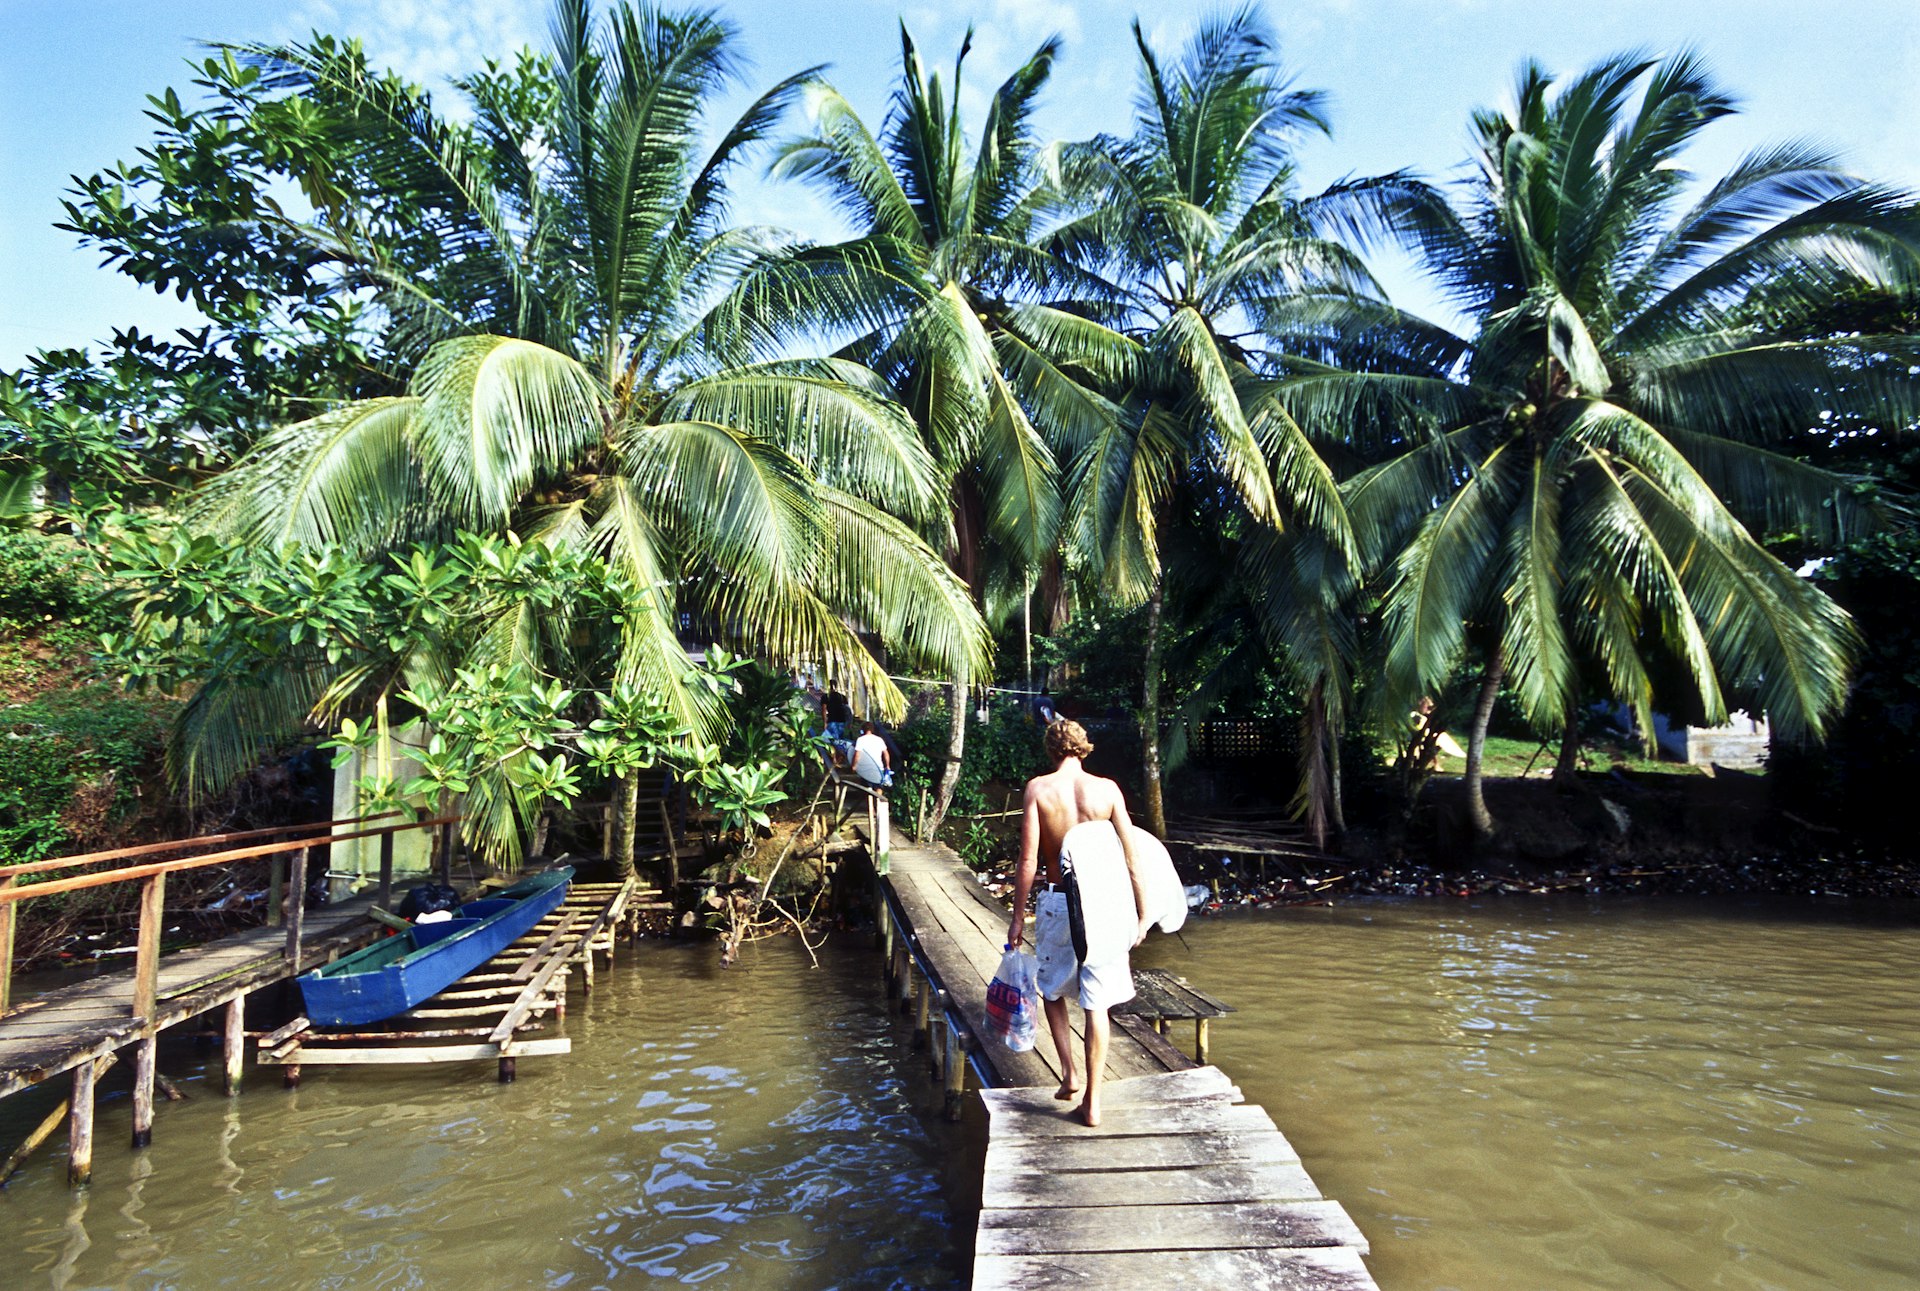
x=1578, y=477
x=1194, y=217
x=997, y=346
x=597, y=386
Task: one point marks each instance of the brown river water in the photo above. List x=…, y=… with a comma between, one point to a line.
x=1607, y=1094
x=1531, y=1094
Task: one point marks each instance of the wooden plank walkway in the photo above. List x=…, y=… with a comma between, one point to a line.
x=56, y=1032
x=1183, y=1185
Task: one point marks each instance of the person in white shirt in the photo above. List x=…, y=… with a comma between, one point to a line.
x=871, y=760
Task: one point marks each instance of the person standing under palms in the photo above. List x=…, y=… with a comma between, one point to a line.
x=1053, y=805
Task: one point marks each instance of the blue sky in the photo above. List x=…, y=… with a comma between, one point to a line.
x=1403, y=75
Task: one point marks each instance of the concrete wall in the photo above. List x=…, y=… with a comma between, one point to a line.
x=412, y=850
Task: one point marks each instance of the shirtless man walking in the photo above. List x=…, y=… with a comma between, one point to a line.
x=1054, y=804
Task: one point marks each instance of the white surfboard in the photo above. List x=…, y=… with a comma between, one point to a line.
x=1106, y=891
x=1166, y=897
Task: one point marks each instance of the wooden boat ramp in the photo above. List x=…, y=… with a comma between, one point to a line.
x=500, y=1013
x=1183, y=1184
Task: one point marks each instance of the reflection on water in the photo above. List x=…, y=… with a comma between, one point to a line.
x=1571, y=1095
x=748, y=1128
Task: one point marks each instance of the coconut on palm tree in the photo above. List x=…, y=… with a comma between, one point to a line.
x=590, y=377
x=1584, y=480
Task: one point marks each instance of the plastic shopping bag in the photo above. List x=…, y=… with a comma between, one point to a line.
x=1013, y=1000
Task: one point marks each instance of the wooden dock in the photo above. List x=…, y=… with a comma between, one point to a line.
x=56, y=1032
x=1183, y=1184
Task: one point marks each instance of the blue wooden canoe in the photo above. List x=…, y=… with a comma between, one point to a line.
x=397, y=973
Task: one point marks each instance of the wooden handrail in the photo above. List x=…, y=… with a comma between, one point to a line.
x=128, y=873
x=154, y=849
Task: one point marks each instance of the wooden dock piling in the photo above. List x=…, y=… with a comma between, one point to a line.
x=233, y=1045
x=80, y=1126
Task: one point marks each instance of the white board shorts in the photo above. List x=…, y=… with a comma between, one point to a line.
x=1100, y=988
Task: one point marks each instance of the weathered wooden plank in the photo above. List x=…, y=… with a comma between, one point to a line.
x=1096, y=1150
x=531, y=962
x=1194, y=1116
x=1151, y=1043
x=1316, y=1269
x=321, y=1055
x=529, y=1000
x=1207, y=1185
x=1223, y=1226
x=1200, y=1084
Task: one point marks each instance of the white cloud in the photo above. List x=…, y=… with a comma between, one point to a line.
x=427, y=41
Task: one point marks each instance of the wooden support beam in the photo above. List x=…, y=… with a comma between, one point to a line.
x=276, y=889
x=146, y=960
x=937, y=1030
x=145, y=1055
x=44, y=1130
x=274, y=1038
x=485, y=1052
x=386, y=870
x=531, y=962
x=80, y=1127
x=233, y=1046
x=956, y=1066
x=920, y=1012
x=528, y=1001
x=1200, y=1041
x=7, y=913
x=297, y=909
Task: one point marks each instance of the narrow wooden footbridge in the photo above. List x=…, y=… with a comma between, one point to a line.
x=1183, y=1184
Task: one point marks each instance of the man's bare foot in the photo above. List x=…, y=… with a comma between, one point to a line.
x=1068, y=1090
x=1090, y=1112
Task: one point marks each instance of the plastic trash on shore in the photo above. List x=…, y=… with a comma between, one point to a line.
x=1013, y=1000
x=1198, y=894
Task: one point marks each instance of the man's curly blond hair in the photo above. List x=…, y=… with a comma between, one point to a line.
x=1066, y=738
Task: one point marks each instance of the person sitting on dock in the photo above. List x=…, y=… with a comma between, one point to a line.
x=872, y=761
x=1055, y=805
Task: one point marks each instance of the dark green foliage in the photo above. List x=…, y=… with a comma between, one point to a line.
x=1004, y=750
x=72, y=766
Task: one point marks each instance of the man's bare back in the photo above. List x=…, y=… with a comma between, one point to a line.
x=1067, y=797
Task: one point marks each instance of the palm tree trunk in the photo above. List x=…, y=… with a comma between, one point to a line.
x=626, y=815
x=1315, y=775
x=956, y=749
x=1150, y=715
x=1568, y=765
x=1335, y=807
x=1477, y=742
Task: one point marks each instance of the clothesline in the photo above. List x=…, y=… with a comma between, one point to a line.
x=991, y=690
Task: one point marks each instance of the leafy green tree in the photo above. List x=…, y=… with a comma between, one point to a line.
x=586, y=380
x=1581, y=478
x=998, y=346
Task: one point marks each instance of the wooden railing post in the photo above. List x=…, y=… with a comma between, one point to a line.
x=276, y=890
x=80, y=1127
x=146, y=958
x=296, y=908
x=6, y=947
x=386, y=871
